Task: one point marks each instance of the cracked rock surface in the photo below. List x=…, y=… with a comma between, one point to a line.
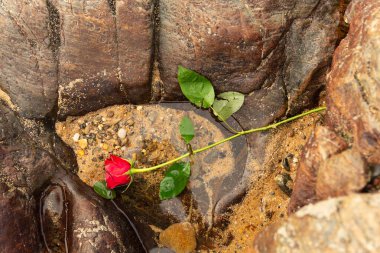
x=79, y=56
x=341, y=156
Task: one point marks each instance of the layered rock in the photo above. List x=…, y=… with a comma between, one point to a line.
x=86, y=54
x=28, y=70
x=340, y=163
x=346, y=224
x=105, y=53
x=273, y=52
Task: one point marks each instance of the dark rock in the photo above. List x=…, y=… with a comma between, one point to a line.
x=274, y=52
x=105, y=54
x=93, y=224
x=134, y=24
x=28, y=66
x=10, y=127
x=72, y=216
x=88, y=62
x=19, y=224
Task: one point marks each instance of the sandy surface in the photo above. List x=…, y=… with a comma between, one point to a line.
x=152, y=137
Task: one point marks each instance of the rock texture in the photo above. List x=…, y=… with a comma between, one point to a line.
x=273, y=51
x=28, y=70
x=35, y=190
x=88, y=55
x=340, y=162
x=104, y=53
x=346, y=224
x=76, y=57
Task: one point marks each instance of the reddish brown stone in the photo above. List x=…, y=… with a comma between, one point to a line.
x=354, y=81
x=353, y=92
x=322, y=144
x=342, y=174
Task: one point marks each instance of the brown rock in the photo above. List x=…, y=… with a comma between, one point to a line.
x=322, y=144
x=346, y=224
x=96, y=224
x=105, y=56
x=19, y=232
x=88, y=63
x=354, y=82
x=353, y=92
x=180, y=237
x=256, y=47
x=28, y=69
x=342, y=174
x=134, y=21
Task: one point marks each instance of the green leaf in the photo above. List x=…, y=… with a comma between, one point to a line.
x=101, y=189
x=229, y=103
x=196, y=88
x=186, y=129
x=175, y=181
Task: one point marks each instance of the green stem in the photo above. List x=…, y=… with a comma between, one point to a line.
x=224, y=121
x=260, y=129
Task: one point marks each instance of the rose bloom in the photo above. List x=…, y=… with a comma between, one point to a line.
x=116, y=168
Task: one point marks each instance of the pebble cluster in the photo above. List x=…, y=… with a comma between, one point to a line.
x=102, y=134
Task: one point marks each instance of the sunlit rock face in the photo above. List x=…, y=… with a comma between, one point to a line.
x=351, y=138
x=348, y=222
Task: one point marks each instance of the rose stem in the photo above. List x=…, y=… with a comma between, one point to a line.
x=260, y=129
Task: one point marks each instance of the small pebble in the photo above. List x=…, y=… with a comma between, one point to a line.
x=105, y=146
x=76, y=137
x=110, y=114
x=130, y=122
x=179, y=237
x=80, y=152
x=121, y=133
x=100, y=127
x=285, y=183
x=139, y=108
x=82, y=143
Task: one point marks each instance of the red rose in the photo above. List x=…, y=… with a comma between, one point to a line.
x=116, y=168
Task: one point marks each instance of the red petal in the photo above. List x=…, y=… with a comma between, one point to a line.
x=114, y=181
x=115, y=169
